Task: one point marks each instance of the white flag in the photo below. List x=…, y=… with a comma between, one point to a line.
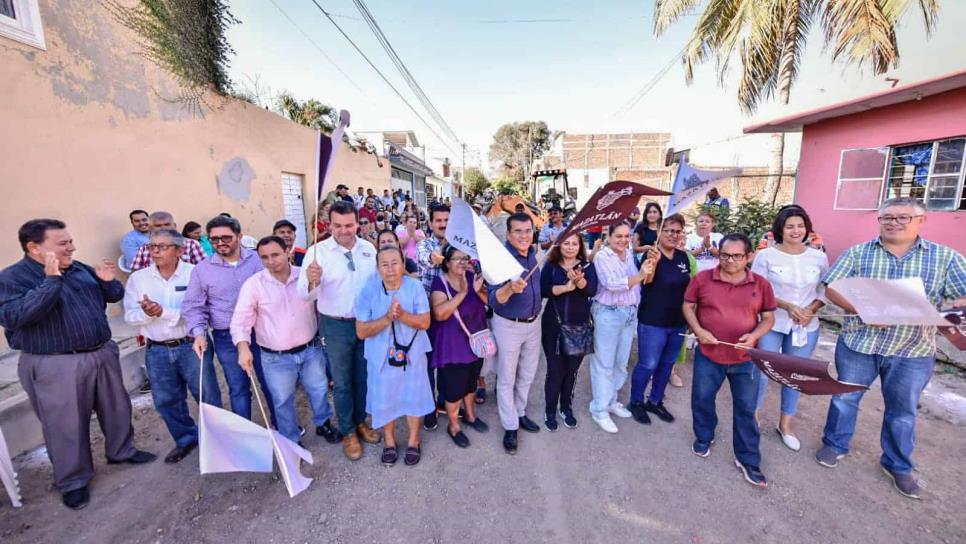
x=467, y=233
x=691, y=183
x=288, y=455
x=228, y=442
x=890, y=302
x=7, y=475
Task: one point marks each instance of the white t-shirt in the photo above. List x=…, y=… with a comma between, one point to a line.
x=794, y=278
x=705, y=259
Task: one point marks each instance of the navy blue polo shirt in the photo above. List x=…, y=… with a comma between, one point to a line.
x=522, y=305
x=661, y=300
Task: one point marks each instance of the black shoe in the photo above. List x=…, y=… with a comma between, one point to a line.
x=179, y=453
x=76, y=498
x=145, y=387
x=430, y=421
x=329, y=433
x=459, y=438
x=478, y=425
x=510, y=442
x=659, y=410
x=639, y=413
x=550, y=422
x=528, y=425
x=139, y=458
x=569, y=420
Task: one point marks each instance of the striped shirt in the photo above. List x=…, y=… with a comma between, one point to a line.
x=424, y=253
x=44, y=315
x=943, y=271
x=612, y=274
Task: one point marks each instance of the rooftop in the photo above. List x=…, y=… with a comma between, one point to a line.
x=888, y=97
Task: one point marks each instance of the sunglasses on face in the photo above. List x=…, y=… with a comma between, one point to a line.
x=221, y=239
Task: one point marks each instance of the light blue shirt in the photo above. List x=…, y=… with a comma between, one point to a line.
x=130, y=244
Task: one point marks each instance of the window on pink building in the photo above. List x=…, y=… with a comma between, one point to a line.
x=861, y=172
x=930, y=171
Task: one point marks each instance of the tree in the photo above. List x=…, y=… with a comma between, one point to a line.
x=475, y=182
x=768, y=36
x=516, y=145
x=510, y=186
x=310, y=113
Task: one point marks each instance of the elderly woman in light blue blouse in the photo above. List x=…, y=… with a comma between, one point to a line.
x=795, y=271
x=392, y=311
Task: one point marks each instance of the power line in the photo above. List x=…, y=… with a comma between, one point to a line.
x=322, y=51
x=634, y=100
x=381, y=75
x=404, y=71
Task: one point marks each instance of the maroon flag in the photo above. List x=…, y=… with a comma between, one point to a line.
x=957, y=333
x=610, y=204
x=327, y=148
x=807, y=376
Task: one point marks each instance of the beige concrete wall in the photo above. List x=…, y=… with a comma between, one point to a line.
x=88, y=131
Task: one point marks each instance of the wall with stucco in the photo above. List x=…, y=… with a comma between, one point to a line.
x=931, y=118
x=89, y=131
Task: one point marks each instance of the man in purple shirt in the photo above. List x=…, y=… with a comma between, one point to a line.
x=210, y=301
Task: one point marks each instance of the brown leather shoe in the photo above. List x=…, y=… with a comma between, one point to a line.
x=367, y=434
x=351, y=447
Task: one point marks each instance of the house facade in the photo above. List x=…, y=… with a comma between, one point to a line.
x=905, y=141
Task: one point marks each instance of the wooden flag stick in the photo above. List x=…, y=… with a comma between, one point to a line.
x=261, y=407
x=540, y=262
x=719, y=341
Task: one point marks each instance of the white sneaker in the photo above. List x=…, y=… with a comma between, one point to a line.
x=606, y=423
x=618, y=410
x=790, y=441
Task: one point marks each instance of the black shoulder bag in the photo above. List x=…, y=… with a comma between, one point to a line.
x=575, y=340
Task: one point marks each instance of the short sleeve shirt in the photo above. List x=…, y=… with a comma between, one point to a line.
x=729, y=310
x=662, y=298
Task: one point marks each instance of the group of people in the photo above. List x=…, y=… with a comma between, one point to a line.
x=404, y=326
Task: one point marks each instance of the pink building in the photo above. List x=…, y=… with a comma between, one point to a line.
x=906, y=141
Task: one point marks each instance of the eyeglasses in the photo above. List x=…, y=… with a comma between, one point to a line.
x=160, y=247
x=222, y=239
x=352, y=264
x=462, y=260
x=900, y=219
x=672, y=232
x=363, y=222
x=732, y=256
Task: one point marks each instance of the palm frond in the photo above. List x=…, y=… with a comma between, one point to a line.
x=894, y=10
x=761, y=52
x=861, y=31
x=667, y=12
x=716, y=32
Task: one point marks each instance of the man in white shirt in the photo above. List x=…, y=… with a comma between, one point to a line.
x=152, y=302
x=341, y=269
x=359, y=199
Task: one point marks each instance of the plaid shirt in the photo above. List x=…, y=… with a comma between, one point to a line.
x=943, y=271
x=192, y=254
x=427, y=270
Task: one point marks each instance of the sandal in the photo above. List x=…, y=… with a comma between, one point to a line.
x=389, y=456
x=412, y=455
x=480, y=395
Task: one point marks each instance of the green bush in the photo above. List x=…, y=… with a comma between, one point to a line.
x=752, y=218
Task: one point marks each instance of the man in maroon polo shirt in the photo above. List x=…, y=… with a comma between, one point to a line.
x=728, y=304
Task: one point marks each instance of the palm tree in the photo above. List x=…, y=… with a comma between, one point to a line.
x=769, y=37
x=310, y=113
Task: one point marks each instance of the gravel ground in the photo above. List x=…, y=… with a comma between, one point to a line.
x=581, y=485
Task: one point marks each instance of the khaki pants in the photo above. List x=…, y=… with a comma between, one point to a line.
x=64, y=390
x=517, y=358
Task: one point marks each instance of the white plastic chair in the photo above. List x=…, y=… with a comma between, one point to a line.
x=249, y=241
x=7, y=475
x=121, y=267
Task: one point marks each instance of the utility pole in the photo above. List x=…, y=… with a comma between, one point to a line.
x=462, y=169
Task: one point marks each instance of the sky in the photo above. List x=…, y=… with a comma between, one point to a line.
x=571, y=63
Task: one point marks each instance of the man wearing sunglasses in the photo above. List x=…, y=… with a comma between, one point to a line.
x=729, y=303
x=210, y=301
x=340, y=266
x=903, y=356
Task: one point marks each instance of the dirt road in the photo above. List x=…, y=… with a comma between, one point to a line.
x=582, y=485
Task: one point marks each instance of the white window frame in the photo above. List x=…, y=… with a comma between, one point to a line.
x=929, y=175
x=881, y=179
x=26, y=27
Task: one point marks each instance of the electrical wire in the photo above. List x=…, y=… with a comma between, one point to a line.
x=634, y=100
x=381, y=75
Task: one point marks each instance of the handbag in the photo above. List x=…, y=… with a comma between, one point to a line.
x=575, y=340
x=399, y=353
x=482, y=343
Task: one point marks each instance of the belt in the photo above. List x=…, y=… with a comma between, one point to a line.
x=76, y=351
x=170, y=343
x=293, y=351
x=530, y=319
x=339, y=318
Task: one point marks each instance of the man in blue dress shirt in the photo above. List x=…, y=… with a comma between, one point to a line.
x=52, y=309
x=139, y=235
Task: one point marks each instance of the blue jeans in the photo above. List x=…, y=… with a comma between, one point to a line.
x=346, y=355
x=283, y=372
x=613, y=336
x=780, y=342
x=903, y=379
x=657, y=351
x=239, y=384
x=743, y=379
x=174, y=371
